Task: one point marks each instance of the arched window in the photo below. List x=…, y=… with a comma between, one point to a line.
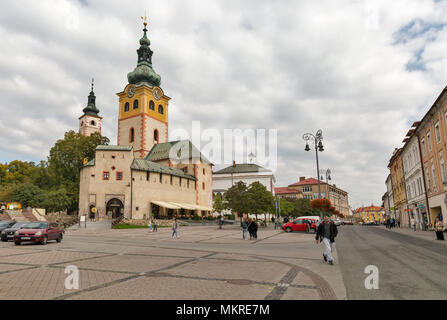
x=135, y=104
x=126, y=107
x=156, y=136
x=93, y=123
x=160, y=109
x=132, y=135
x=152, y=105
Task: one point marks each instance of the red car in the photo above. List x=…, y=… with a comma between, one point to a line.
x=301, y=224
x=38, y=232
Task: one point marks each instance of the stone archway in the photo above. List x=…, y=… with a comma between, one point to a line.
x=114, y=208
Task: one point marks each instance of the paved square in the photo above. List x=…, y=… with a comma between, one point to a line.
x=204, y=263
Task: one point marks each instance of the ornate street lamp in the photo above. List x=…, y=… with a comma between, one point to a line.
x=317, y=139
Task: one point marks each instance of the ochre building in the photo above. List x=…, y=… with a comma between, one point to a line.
x=145, y=175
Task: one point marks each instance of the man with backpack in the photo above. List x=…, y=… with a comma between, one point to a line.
x=326, y=233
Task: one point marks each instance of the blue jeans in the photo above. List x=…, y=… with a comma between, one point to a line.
x=244, y=234
x=255, y=234
x=174, y=232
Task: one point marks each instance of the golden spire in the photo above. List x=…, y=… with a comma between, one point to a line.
x=144, y=18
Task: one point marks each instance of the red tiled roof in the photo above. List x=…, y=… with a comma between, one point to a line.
x=308, y=181
x=286, y=190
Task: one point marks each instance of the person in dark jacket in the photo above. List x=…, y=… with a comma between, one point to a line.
x=255, y=229
x=326, y=233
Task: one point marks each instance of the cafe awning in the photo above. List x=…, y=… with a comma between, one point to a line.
x=186, y=206
x=168, y=205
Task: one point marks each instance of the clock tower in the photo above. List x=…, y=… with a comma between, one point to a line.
x=90, y=122
x=143, y=106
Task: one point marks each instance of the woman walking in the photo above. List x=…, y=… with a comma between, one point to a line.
x=439, y=229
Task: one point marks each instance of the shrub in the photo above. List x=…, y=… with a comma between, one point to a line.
x=196, y=217
x=210, y=218
x=231, y=217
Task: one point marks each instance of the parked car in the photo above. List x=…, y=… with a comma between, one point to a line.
x=8, y=233
x=301, y=224
x=6, y=224
x=349, y=223
x=39, y=232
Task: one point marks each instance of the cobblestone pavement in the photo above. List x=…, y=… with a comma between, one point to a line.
x=204, y=263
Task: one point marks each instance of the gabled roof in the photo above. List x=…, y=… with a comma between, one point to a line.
x=145, y=165
x=114, y=148
x=308, y=181
x=183, y=150
x=242, y=168
x=286, y=190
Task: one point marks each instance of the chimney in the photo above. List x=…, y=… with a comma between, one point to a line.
x=302, y=179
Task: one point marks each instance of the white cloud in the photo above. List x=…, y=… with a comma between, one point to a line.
x=289, y=65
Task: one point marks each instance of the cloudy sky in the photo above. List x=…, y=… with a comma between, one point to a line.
x=362, y=71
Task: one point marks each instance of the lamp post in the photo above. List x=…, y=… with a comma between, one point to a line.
x=317, y=139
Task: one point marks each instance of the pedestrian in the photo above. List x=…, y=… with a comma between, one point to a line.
x=326, y=233
x=175, y=228
x=155, y=225
x=250, y=228
x=244, y=226
x=150, y=226
x=413, y=223
x=439, y=229
x=220, y=222
x=398, y=224
x=255, y=229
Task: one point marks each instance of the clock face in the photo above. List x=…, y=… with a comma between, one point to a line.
x=157, y=93
x=131, y=91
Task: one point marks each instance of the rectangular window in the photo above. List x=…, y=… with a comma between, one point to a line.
x=427, y=178
x=161, y=177
x=147, y=176
x=443, y=173
x=172, y=179
x=437, y=132
x=105, y=175
x=119, y=175
x=429, y=141
x=180, y=181
x=435, y=187
x=187, y=183
x=424, y=150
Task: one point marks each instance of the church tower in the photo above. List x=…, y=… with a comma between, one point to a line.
x=90, y=122
x=143, y=106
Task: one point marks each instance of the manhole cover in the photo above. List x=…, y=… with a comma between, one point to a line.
x=241, y=282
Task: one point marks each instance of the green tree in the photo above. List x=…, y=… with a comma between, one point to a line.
x=67, y=157
x=27, y=194
x=236, y=198
x=56, y=200
x=259, y=199
x=301, y=207
x=218, y=205
x=286, y=207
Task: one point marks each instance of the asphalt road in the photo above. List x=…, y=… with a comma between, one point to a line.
x=409, y=267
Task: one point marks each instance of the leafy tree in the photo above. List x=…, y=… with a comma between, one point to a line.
x=67, y=157
x=286, y=207
x=56, y=200
x=236, y=198
x=218, y=205
x=259, y=199
x=27, y=194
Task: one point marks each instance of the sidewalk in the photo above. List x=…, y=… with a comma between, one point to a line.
x=426, y=235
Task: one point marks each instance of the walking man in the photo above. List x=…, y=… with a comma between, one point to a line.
x=155, y=225
x=175, y=228
x=326, y=233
